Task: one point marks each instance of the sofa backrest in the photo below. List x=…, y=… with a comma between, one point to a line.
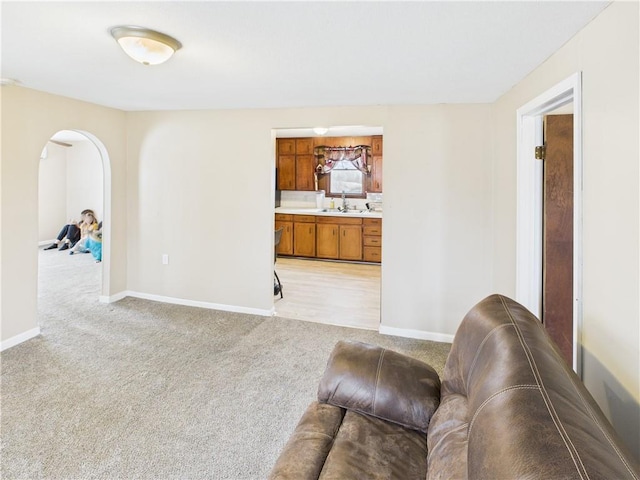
x=511, y=408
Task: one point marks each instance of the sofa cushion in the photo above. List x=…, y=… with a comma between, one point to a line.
x=369, y=448
x=381, y=383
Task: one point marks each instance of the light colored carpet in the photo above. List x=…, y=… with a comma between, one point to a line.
x=145, y=390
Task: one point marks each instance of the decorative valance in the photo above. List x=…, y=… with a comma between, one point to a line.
x=342, y=158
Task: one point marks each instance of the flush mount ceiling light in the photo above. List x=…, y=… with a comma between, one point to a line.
x=145, y=46
x=320, y=130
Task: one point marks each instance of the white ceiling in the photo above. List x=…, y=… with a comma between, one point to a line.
x=287, y=54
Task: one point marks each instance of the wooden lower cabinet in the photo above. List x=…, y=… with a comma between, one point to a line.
x=337, y=238
x=327, y=240
x=372, y=240
x=350, y=242
x=286, y=240
x=304, y=236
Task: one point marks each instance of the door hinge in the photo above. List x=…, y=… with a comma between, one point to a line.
x=541, y=151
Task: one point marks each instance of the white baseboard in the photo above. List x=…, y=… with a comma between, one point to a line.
x=188, y=303
x=113, y=298
x=46, y=242
x=419, y=334
x=23, y=337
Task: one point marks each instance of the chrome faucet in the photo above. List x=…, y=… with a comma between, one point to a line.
x=345, y=205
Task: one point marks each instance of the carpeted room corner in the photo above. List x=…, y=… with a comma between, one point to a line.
x=139, y=389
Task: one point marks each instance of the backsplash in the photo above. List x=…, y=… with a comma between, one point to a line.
x=300, y=199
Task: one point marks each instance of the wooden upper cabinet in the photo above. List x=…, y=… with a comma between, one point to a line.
x=286, y=172
x=305, y=168
x=355, y=141
x=342, y=142
x=296, y=164
x=286, y=146
x=296, y=161
x=376, y=145
x=304, y=146
x=376, y=174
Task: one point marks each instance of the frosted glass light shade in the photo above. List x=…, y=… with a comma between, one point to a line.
x=145, y=46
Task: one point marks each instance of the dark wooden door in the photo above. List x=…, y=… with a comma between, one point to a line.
x=557, y=270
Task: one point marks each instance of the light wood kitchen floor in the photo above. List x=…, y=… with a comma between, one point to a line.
x=336, y=293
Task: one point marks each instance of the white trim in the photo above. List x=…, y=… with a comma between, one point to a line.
x=46, y=242
x=529, y=203
x=419, y=334
x=113, y=298
x=322, y=322
x=529, y=216
x=22, y=337
x=195, y=303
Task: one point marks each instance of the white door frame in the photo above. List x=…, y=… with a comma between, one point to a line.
x=529, y=202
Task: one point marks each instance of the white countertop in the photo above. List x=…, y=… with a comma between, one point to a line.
x=328, y=212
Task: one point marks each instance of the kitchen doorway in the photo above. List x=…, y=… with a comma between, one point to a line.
x=324, y=229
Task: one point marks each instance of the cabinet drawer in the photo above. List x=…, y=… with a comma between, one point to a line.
x=372, y=230
x=283, y=217
x=304, y=218
x=339, y=220
x=372, y=241
x=372, y=221
x=372, y=254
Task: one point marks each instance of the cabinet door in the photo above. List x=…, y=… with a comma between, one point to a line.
x=376, y=145
x=376, y=174
x=327, y=241
x=305, y=167
x=286, y=240
x=286, y=172
x=286, y=146
x=304, y=146
x=304, y=239
x=350, y=242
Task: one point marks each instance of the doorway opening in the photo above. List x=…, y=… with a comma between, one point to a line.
x=330, y=253
x=74, y=175
x=530, y=194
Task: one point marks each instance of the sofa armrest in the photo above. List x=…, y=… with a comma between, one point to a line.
x=381, y=383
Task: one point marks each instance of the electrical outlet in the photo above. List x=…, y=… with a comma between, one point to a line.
x=165, y=259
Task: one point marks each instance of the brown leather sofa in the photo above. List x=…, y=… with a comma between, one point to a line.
x=508, y=407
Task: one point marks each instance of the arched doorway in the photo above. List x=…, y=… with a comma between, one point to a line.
x=77, y=177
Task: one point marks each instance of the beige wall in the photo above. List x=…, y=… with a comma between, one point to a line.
x=70, y=180
x=29, y=119
x=606, y=52
x=85, y=179
x=52, y=192
x=201, y=186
